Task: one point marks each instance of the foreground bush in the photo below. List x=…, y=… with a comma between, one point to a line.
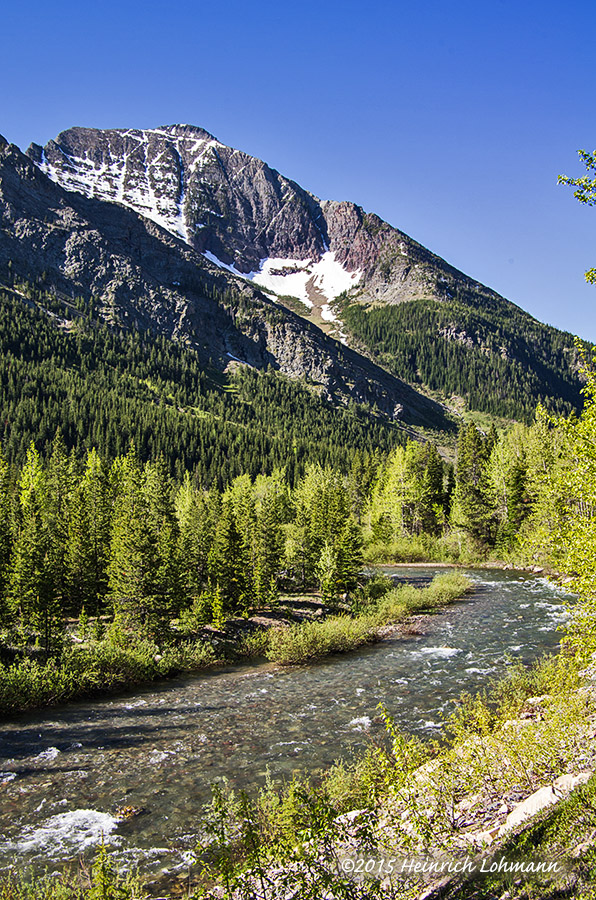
x=103, y=882
x=111, y=663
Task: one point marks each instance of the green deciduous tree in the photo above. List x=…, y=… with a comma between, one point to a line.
x=585, y=190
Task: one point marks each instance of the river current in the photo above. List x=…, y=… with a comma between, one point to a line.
x=65, y=772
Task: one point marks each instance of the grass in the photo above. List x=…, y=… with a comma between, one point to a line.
x=102, y=882
x=299, y=644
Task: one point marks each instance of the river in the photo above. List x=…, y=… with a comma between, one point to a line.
x=64, y=772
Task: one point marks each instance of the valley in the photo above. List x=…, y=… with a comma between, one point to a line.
x=222, y=397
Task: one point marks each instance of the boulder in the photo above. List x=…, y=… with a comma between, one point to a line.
x=541, y=799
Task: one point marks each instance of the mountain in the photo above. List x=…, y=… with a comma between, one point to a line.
x=355, y=276
x=143, y=277
x=231, y=206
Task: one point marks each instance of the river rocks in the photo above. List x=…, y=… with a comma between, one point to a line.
x=533, y=707
x=123, y=813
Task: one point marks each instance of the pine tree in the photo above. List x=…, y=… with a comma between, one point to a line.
x=271, y=508
x=165, y=581
x=349, y=556
x=89, y=537
x=5, y=535
x=432, y=513
x=60, y=485
x=473, y=508
x=226, y=564
x=31, y=592
x=133, y=553
x=196, y=513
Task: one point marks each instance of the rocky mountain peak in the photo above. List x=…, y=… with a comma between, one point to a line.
x=217, y=199
x=245, y=216
x=137, y=275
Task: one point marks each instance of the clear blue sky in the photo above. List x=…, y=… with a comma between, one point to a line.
x=451, y=119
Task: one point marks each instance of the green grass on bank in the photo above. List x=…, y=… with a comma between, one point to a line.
x=301, y=643
x=118, y=660
x=106, y=665
x=452, y=547
x=101, y=882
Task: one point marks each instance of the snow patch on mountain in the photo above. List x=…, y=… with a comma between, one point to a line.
x=293, y=276
x=285, y=276
x=222, y=265
x=331, y=278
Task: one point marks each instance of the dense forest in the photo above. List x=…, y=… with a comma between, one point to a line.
x=126, y=541
x=495, y=356
x=86, y=535
x=60, y=367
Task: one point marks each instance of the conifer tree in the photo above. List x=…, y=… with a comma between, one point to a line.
x=165, y=581
x=226, y=564
x=60, y=485
x=30, y=591
x=271, y=509
x=348, y=556
x=196, y=513
x=133, y=553
x=473, y=508
x=5, y=534
x=432, y=514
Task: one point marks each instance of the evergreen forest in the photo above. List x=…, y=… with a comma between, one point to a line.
x=492, y=354
x=103, y=387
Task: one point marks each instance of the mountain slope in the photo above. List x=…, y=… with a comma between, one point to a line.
x=400, y=304
x=61, y=367
x=144, y=277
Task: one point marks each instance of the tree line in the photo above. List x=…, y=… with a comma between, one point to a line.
x=125, y=541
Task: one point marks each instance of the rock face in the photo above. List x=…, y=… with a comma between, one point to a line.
x=215, y=198
x=543, y=798
x=223, y=202
x=148, y=270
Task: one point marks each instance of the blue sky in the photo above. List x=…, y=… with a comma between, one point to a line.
x=451, y=120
